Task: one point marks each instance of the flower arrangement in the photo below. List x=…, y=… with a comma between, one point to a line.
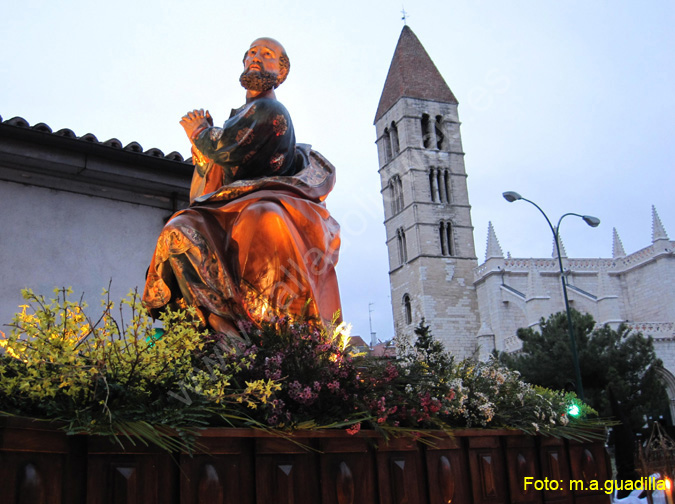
x=125, y=379
x=141, y=381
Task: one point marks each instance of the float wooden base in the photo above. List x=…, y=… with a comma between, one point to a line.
x=41, y=465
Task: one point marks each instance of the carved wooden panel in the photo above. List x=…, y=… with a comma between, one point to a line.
x=225, y=475
x=488, y=477
x=589, y=463
x=522, y=462
x=33, y=463
x=132, y=479
x=285, y=473
x=400, y=472
x=347, y=471
x=31, y=478
x=555, y=466
x=39, y=464
x=447, y=472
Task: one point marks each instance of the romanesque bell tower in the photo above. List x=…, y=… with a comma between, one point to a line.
x=426, y=203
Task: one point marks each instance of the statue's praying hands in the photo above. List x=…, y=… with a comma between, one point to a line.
x=195, y=121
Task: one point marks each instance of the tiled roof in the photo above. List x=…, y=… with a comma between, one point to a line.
x=37, y=156
x=412, y=74
x=357, y=341
x=114, y=143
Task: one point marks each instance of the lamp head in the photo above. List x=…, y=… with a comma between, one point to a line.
x=512, y=196
x=591, y=221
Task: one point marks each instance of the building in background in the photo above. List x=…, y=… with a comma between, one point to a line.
x=426, y=202
x=637, y=289
x=433, y=269
x=80, y=213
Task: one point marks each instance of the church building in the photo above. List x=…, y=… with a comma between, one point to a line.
x=433, y=269
x=426, y=202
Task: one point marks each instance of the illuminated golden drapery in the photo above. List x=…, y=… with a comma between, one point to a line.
x=253, y=248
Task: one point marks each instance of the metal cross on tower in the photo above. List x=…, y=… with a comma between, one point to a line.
x=405, y=15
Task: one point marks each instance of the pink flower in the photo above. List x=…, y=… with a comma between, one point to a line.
x=354, y=429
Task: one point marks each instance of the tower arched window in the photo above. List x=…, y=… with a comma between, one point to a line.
x=407, y=309
x=441, y=141
x=402, y=246
x=387, y=145
x=394, y=138
x=396, y=194
x=426, y=131
x=446, y=186
x=439, y=185
x=442, y=195
x=399, y=192
x=446, y=238
x=432, y=184
x=392, y=196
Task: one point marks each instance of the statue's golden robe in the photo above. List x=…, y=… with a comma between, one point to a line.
x=257, y=239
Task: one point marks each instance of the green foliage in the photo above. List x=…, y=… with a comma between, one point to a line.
x=161, y=385
x=104, y=378
x=423, y=388
x=622, y=359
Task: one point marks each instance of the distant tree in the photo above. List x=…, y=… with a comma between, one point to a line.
x=620, y=359
x=429, y=348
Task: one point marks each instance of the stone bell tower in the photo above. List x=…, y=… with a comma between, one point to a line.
x=426, y=204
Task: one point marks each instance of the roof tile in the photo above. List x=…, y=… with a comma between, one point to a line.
x=20, y=122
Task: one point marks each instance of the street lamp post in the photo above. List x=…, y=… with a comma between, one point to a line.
x=512, y=196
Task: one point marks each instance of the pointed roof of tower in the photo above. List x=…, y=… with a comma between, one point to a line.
x=658, y=231
x=412, y=74
x=617, y=246
x=493, y=248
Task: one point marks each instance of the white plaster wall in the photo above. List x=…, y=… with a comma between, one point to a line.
x=51, y=238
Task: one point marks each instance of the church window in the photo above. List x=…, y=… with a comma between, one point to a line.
x=396, y=194
x=441, y=140
x=392, y=196
x=402, y=246
x=387, y=145
x=394, y=138
x=439, y=185
x=432, y=184
x=407, y=309
x=448, y=237
x=446, y=186
x=441, y=235
x=445, y=235
x=426, y=131
x=440, y=137
x=442, y=197
x=400, y=193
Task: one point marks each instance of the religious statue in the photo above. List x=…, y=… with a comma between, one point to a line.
x=257, y=239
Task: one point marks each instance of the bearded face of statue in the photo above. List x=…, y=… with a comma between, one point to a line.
x=259, y=80
x=265, y=65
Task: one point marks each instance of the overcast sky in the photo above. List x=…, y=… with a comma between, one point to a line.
x=571, y=103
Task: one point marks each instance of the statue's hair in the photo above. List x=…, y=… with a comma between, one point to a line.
x=285, y=64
